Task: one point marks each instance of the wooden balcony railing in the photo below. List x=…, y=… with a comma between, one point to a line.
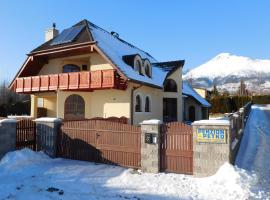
x=102, y=79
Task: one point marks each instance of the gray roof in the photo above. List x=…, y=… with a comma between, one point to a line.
x=115, y=48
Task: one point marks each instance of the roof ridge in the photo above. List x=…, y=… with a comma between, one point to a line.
x=121, y=40
x=85, y=22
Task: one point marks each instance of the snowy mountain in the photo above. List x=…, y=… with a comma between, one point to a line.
x=227, y=70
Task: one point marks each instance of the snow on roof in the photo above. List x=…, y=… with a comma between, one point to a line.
x=188, y=90
x=115, y=48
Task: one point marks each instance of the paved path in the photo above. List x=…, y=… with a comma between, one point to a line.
x=254, y=152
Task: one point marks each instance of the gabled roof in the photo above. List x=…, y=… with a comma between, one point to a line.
x=114, y=48
x=189, y=91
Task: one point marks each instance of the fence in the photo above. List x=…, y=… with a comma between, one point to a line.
x=26, y=134
x=177, y=148
x=109, y=142
x=100, y=141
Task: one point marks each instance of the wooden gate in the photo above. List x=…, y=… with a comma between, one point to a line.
x=100, y=141
x=26, y=134
x=176, y=148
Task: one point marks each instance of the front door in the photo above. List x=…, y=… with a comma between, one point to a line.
x=169, y=109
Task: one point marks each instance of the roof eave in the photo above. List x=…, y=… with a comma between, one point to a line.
x=61, y=48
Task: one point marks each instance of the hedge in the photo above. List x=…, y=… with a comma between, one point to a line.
x=228, y=104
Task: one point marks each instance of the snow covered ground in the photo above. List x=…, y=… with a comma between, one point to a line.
x=254, y=152
x=29, y=175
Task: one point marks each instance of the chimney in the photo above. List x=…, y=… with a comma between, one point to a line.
x=51, y=33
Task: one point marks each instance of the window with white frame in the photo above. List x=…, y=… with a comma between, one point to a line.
x=138, y=64
x=147, y=68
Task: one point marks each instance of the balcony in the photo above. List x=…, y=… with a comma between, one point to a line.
x=102, y=79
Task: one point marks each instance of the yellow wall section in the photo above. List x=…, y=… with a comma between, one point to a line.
x=97, y=62
x=156, y=104
x=94, y=62
x=50, y=104
x=201, y=92
x=100, y=103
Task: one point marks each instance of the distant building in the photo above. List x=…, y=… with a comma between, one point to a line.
x=203, y=92
x=195, y=106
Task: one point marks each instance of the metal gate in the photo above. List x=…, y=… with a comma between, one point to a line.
x=176, y=148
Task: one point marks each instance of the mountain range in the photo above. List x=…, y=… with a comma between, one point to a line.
x=226, y=72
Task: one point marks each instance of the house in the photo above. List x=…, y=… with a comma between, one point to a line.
x=203, y=92
x=195, y=107
x=88, y=72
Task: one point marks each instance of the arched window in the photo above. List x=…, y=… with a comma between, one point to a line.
x=147, y=68
x=138, y=64
x=74, y=107
x=147, y=104
x=71, y=68
x=170, y=86
x=138, y=104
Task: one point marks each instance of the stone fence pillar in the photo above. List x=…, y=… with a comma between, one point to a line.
x=7, y=136
x=150, y=146
x=211, y=146
x=47, y=130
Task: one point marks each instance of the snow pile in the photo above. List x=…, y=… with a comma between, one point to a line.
x=255, y=158
x=17, y=159
x=228, y=183
x=32, y=175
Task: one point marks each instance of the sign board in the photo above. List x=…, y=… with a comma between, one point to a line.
x=211, y=135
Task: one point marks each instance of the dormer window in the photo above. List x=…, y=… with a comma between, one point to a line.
x=71, y=68
x=138, y=64
x=147, y=68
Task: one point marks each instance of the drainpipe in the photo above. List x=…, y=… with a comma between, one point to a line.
x=131, y=104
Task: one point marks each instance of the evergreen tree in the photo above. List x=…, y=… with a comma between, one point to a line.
x=242, y=89
x=215, y=90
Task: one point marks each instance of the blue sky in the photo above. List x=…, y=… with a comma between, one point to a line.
x=194, y=30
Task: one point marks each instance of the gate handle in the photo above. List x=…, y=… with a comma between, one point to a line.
x=98, y=134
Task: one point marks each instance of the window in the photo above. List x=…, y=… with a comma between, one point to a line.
x=84, y=68
x=74, y=107
x=138, y=64
x=40, y=102
x=138, y=104
x=147, y=105
x=170, y=86
x=147, y=68
x=71, y=68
